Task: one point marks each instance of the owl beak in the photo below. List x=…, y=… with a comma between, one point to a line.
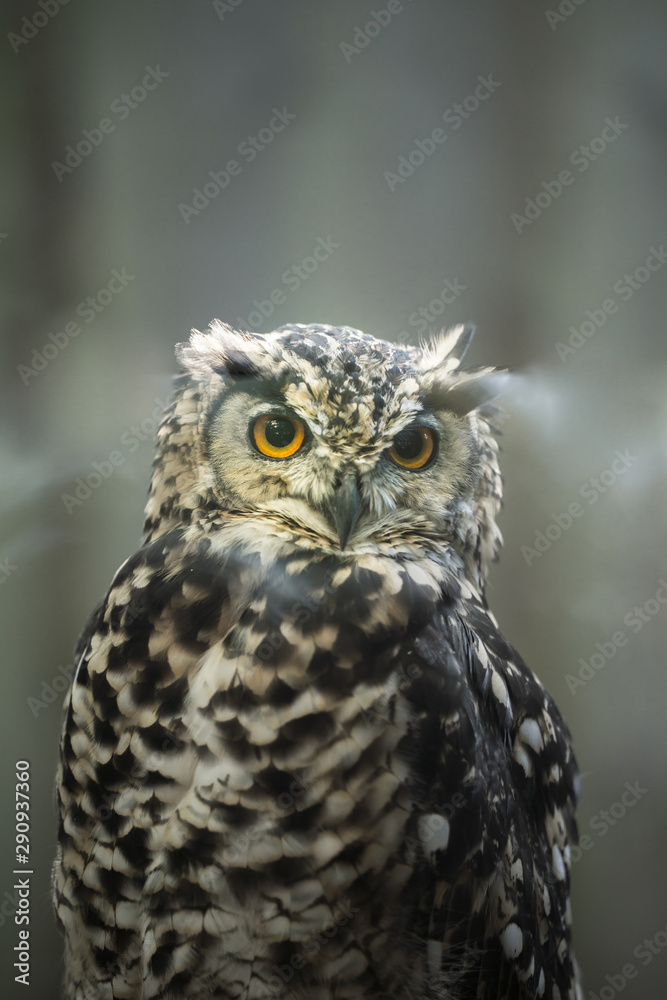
x=343, y=508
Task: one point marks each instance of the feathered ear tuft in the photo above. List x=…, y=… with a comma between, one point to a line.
x=447, y=350
x=475, y=389
x=224, y=351
x=447, y=385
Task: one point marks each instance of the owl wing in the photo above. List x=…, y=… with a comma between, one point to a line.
x=498, y=847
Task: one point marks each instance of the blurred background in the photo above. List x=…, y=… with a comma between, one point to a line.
x=166, y=163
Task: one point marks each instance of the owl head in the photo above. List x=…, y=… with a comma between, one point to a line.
x=327, y=437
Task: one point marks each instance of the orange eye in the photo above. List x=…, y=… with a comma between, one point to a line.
x=277, y=436
x=414, y=447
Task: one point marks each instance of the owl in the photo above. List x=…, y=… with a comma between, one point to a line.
x=299, y=760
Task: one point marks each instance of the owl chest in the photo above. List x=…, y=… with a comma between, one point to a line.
x=294, y=818
x=301, y=783
x=303, y=780
x=307, y=838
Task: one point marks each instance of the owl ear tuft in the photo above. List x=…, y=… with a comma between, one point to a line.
x=223, y=350
x=447, y=350
x=475, y=389
x=449, y=387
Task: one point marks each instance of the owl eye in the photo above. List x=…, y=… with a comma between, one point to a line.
x=277, y=436
x=414, y=448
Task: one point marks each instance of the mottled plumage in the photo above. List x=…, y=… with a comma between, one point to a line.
x=299, y=760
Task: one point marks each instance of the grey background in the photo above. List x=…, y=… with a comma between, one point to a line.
x=323, y=176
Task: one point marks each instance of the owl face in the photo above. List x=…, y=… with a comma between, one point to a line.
x=336, y=434
x=338, y=467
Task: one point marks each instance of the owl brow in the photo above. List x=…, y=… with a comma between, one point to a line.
x=236, y=364
x=260, y=389
x=269, y=390
x=458, y=399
